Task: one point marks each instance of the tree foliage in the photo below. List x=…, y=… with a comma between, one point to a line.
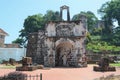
x=51, y=16
x=116, y=36
x=31, y=24
x=91, y=19
x=36, y=22
x=19, y=41
x=110, y=13
x=96, y=45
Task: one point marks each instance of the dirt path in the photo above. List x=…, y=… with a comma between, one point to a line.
x=66, y=73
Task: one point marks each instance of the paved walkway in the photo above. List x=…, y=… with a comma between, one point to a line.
x=66, y=73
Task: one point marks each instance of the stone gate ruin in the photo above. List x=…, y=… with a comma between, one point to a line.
x=61, y=44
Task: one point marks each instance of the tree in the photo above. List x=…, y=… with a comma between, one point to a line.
x=31, y=24
x=19, y=41
x=91, y=19
x=110, y=13
x=116, y=36
x=37, y=22
x=51, y=16
x=97, y=31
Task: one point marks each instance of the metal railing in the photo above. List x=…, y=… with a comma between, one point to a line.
x=34, y=77
x=23, y=77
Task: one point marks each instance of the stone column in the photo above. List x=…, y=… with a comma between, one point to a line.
x=61, y=14
x=68, y=13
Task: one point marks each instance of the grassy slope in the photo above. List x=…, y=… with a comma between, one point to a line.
x=7, y=67
x=115, y=64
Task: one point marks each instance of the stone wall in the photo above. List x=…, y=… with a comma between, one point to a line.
x=66, y=29
x=32, y=46
x=59, y=45
x=36, y=47
x=62, y=43
x=41, y=47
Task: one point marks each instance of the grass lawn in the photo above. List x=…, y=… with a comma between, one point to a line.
x=7, y=67
x=115, y=64
x=3, y=66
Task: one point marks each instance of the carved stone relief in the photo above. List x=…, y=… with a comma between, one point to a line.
x=64, y=30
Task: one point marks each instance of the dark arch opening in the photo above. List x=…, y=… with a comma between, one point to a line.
x=62, y=52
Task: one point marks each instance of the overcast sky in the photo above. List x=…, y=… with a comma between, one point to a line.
x=13, y=12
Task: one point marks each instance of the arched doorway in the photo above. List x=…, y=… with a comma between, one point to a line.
x=63, y=52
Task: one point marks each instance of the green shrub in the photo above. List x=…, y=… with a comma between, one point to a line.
x=14, y=76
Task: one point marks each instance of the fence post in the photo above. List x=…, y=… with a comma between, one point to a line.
x=40, y=76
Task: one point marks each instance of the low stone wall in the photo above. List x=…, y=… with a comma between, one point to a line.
x=95, y=57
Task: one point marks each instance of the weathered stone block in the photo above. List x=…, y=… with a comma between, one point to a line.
x=26, y=68
x=104, y=65
x=26, y=61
